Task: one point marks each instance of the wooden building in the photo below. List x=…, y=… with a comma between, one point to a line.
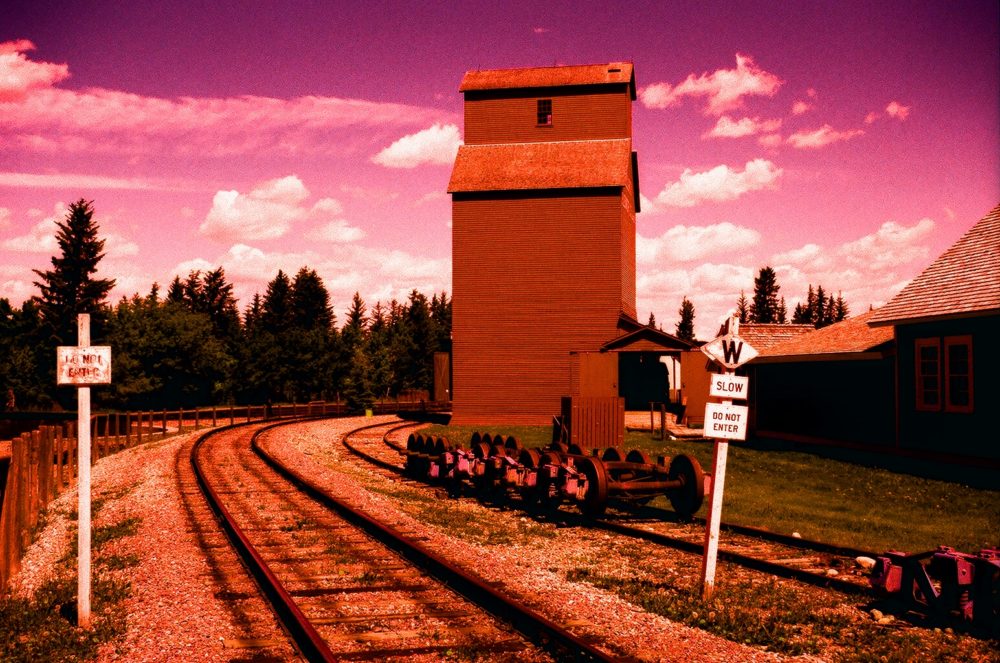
x=947, y=327
x=544, y=196
x=831, y=386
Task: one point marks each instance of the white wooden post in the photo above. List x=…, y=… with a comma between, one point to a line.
x=723, y=422
x=82, y=366
x=714, y=515
x=83, y=484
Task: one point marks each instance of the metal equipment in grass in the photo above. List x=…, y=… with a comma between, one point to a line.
x=495, y=466
x=951, y=584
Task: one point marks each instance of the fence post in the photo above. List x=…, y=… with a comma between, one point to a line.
x=196, y=419
x=11, y=512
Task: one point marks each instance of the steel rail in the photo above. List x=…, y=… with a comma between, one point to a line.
x=772, y=568
x=536, y=627
x=765, y=566
x=304, y=636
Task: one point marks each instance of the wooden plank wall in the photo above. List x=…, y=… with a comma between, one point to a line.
x=594, y=422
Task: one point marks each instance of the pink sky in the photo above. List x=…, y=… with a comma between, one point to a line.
x=844, y=144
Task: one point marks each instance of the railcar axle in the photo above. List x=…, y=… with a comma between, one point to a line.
x=496, y=466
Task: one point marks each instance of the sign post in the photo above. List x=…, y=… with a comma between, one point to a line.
x=723, y=421
x=82, y=366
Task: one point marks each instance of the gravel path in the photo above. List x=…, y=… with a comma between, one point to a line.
x=173, y=613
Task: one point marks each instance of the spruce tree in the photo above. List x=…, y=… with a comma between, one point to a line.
x=70, y=288
x=764, y=308
x=685, y=326
x=743, y=308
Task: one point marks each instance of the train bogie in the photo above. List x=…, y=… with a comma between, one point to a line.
x=496, y=467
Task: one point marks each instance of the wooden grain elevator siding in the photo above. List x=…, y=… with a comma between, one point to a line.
x=575, y=116
x=535, y=278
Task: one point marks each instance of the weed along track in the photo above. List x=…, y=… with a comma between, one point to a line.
x=346, y=586
x=812, y=562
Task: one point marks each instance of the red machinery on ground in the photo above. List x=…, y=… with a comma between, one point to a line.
x=950, y=584
x=496, y=466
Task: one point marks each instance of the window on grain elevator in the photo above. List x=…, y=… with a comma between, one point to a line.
x=545, y=112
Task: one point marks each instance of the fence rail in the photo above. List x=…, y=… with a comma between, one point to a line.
x=35, y=467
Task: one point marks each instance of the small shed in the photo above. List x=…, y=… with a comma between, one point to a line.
x=830, y=385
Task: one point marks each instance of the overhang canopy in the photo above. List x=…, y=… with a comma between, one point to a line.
x=546, y=77
x=556, y=165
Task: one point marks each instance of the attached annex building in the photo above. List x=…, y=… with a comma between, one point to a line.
x=544, y=196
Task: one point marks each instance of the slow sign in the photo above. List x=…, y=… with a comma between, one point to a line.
x=83, y=365
x=729, y=386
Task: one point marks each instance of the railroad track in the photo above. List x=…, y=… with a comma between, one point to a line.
x=346, y=587
x=811, y=562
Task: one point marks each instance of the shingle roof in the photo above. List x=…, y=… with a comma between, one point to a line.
x=556, y=165
x=646, y=339
x=852, y=335
x=964, y=280
x=590, y=74
x=764, y=335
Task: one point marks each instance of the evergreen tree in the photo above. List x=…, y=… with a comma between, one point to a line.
x=441, y=322
x=840, y=310
x=819, y=308
x=69, y=288
x=353, y=332
x=685, y=326
x=782, y=314
x=219, y=303
x=22, y=385
x=764, y=308
x=310, y=302
x=743, y=308
x=175, y=291
x=276, y=311
x=652, y=320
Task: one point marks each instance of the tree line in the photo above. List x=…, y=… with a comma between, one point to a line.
x=192, y=346
x=766, y=307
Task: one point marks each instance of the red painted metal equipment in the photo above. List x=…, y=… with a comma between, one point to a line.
x=496, y=466
x=950, y=584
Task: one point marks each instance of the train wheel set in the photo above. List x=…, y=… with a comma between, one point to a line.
x=494, y=466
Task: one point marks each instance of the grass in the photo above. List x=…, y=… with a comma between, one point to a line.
x=822, y=498
x=42, y=628
x=773, y=616
x=464, y=524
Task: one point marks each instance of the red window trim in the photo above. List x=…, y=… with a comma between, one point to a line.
x=948, y=342
x=921, y=404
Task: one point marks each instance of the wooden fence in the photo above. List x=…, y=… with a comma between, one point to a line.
x=36, y=467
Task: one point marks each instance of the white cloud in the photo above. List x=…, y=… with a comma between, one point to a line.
x=719, y=184
x=685, y=243
x=42, y=236
x=377, y=274
x=4, y=217
x=75, y=181
x=268, y=211
x=892, y=245
x=800, y=107
x=724, y=89
x=821, y=137
x=39, y=117
x=338, y=230
x=435, y=145
x=726, y=127
x=897, y=110
x=871, y=117
x=866, y=271
x=19, y=75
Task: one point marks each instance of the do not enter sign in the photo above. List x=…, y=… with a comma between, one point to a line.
x=727, y=422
